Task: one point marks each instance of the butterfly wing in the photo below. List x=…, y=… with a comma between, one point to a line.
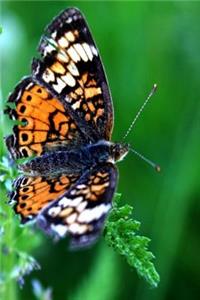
x=81, y=211
x=66, y=103
x=32, y=194
x=72, y=70
x=44, y=123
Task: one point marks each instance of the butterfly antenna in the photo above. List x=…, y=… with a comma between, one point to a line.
x=155, y=166
x=140, y=110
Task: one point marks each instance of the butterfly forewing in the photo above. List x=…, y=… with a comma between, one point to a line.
x=72, y=70
x=44, y=121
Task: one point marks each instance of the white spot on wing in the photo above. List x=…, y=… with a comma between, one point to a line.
x=69, y=99
x=88, y=50
x=19, y=95
x=71, y=219
x=75, y=106
x=29, y=86
x=76, y=228
x=65, y=201
x=81, y=51
x=69, y=35
x=48, y=75
x=63, y=42
x=53, y=35
x=69, y=79
x=73, y=69
x=36, y=71
x=89, y=215
x=59, y=86
x=60, y=229
x=73, y=54
x=81, y=206
x=48, y=49
x=94, y=50
x=81, y=186
x=69, y=20
x=54, y=211
x=62, y=56
x=70, y=202
x=52, y=42
x=76, y=201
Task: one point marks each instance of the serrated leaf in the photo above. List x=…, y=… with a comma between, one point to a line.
x=121, y=233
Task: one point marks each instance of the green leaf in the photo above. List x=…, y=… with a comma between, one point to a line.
x=121, y=234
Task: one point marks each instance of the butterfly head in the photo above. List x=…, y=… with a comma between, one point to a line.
x=119, y=150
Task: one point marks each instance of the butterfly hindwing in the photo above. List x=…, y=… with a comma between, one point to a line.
x=81, y=211
x=43, y=121
x=32, y=194
x=72, y=70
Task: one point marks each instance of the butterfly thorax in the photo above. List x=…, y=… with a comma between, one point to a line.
x=76, y=160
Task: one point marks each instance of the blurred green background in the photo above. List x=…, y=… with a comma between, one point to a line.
x=140, y=43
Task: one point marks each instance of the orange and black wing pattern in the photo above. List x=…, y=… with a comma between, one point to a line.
x=32, y=194
x=82, y=210
x=43, y=122
x=72, y=70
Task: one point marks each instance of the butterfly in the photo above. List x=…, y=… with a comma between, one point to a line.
x=64, y=117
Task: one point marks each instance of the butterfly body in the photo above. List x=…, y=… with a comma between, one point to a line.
x=77, y=160
x=64, y=117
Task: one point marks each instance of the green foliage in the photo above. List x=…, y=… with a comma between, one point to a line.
x=104, y=273
x=121, y=235
x=15, y=242
x=40, y=292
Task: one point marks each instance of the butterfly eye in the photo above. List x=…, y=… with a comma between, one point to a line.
x=118, y=151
